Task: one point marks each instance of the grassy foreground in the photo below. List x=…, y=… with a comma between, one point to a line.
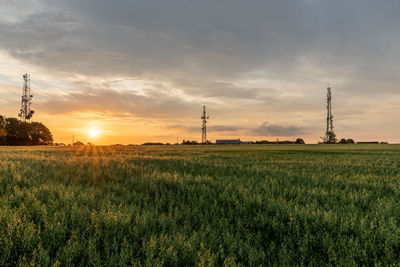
x=200, y=205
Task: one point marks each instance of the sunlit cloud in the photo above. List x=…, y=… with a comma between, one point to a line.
x=142, y=70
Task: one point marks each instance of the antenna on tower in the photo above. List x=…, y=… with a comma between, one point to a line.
x=330, y=136
x=25, y=113
x=204, y=117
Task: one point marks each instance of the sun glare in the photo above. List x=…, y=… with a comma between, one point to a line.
x=93, y=132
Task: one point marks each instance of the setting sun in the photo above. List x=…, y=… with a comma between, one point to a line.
x=93, y=132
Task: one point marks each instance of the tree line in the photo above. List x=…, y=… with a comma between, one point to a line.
x=283, y=142
x=14, y=132
x=189, y=142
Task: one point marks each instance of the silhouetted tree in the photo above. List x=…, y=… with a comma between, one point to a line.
x=17, y=133
x=187, y=142
x=331, y=138
x=2, y=122
x=78, y=143
x=3, y=133
x=346, y=141
x=263, y=142
x=299, y=141
x=3, y=139
x=152, y=144
x=58, y=144
x=40, y=134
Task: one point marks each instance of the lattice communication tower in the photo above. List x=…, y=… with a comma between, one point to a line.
x=25, y=113
x=330, y=136
x=204, y=117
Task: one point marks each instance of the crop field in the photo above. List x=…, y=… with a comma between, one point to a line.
x=246, y=205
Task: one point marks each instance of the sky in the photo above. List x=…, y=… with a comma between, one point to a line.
x=140, y=71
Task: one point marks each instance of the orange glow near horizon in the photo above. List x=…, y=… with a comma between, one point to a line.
x=93, y=132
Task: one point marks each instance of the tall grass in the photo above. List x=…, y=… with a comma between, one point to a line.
x=200, y=205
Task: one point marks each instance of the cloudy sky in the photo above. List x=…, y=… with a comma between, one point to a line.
x=142, y=70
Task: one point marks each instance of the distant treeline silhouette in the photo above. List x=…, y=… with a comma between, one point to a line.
x=346, y=141
x=14, y=132
x=189, y=142
x=298, y=141
x=154, y=144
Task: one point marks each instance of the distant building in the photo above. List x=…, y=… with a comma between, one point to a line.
x=246, y=142
x=228, y=142
x=363, y=143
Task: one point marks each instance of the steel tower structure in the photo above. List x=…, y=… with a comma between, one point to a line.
x=204, y=117
x=330, y=136
x=25, y=113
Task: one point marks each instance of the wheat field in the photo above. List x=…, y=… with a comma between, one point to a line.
x=244, y=205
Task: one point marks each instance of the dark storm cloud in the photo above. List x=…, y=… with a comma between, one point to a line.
x=213, y=39
x=267, y=129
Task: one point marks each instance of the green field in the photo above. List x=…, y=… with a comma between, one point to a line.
x=200, y=205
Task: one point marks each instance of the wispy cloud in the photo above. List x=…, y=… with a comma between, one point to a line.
x=154, y=105
x=248, y=62
x=267, y=129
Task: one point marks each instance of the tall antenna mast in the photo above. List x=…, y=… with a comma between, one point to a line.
x=204, y=117
x=330, y=136
x=25, y=113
